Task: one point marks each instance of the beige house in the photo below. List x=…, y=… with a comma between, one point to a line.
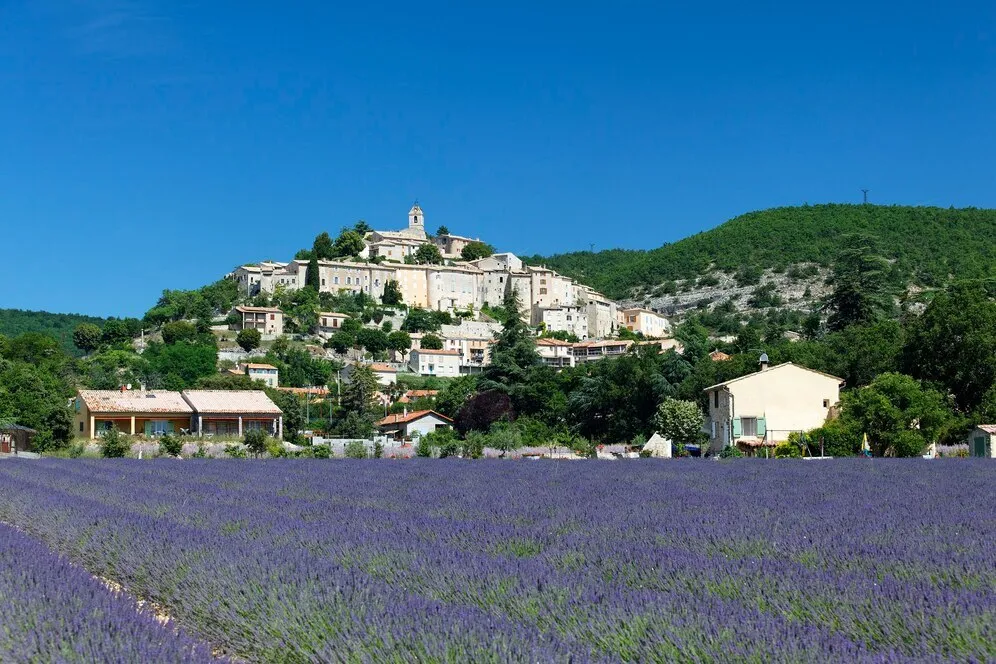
x=134, y=412
x=647, y=322
x=268, y=320
x=267, y=373
x=572, y=319
x=443, y=363
x=232, y=412
x=451, y=246
x=761, y=409
x=329, y=322
x=555, y=353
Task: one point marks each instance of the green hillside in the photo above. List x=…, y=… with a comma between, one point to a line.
x=16, y=321
x=929, y=245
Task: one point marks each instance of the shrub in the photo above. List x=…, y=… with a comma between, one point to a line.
x=201, y=452
x=787, y=450
x=255, y=441
x=731, y=452
x=321, y=451
x=236, y=452
x=355, y=449
x=378, y=450
x=170, y=445
x=76, y=450
x=276, y=449
x=423, y=448
x=114, y=444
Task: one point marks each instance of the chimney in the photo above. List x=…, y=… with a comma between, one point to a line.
x=122, y=389
x=406, y=411
x=763, y=361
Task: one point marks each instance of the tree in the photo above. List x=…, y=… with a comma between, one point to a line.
x=392, y=293
x=341, y=341
x=480, y=411
x=861, y=293
x=255, y=441
x=953, y=343
x=360, y=392
x=454, y=395
x=181, y=365
x=432, y=342
x=170, y=445
x=475, y=250
x=176, y=331
x=442, y=230
x=249, y=339
x=374, y=340
x=899, y=415
x=114, y=444
x=312, y=276
x=680, y=421
x=513, y=354
x=86, y=337
x=323, y=249
x=349, y=243
x=428, y=254
x=398, y=341
x=362, y=227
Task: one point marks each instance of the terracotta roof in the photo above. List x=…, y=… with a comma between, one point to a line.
x=988, y=428
x=774, y=368
x=424, y=351
x=718, y=356
x=231, y=401
x=401, y=418
x=261, y=310
x=333, y=314
x=552, y=342
x=421, y=393
x=320, y=391
x=260, y=366
x=383, y=368
x=134, y=401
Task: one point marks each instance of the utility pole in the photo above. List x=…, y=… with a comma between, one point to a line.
x=865, y=192
x=592, y=246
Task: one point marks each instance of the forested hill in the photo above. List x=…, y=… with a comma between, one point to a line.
x=929, y=244
x=16, y=321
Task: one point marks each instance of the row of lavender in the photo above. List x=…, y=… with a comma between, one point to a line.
x=298, y=561
x=55, y=612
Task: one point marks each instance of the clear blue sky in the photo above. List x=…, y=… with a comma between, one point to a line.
x=151, y=144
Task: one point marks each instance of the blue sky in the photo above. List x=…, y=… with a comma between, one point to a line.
x=149, y=144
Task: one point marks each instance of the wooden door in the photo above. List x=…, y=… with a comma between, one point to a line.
x=980, y=447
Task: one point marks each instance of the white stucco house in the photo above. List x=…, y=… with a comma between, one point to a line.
x=403, y=426
x=982, y=441
x=445, y=363
x=761, y=409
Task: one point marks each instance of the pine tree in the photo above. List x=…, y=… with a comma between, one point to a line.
x=311, y=277
x=514, y=354
x=360, y=393
x=860, y=280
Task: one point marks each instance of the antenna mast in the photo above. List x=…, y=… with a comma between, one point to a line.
x=865, y=192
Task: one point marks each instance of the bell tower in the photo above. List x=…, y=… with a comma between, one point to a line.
x=416, y=221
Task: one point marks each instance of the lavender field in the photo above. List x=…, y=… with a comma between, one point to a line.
x=440, y=561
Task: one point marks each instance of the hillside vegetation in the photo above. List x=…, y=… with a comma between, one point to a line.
x=14, y=322
x=928, y=244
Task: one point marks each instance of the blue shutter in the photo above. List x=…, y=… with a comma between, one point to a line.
x=737, y=430
x=762, y=427
x=148, y=428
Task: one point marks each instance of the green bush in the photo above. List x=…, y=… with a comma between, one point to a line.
x=255, y=441
x=321, y=451
x=787, y=450
x=236, y=452
x=201, y=452
x=276, y=449
x=731, y=452
x=114, y=444
x=378, y=450
x=423, y=448
x=76, y=450
x=170, y=445
x=355, y=449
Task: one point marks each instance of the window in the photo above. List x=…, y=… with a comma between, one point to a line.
x=715, y=399
x=323, y=282
x=335, y=322
x=713, y=429
x=748, y=427
x=542, y=291
x=273, y=317
x=349, y=281
x=81, y=427
x=826, y=403
x=335, y=280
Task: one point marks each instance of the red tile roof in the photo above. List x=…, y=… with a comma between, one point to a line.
x=401, y=418
x=134, y=401
x=383, y=368
x=231, y=401
x=424, y=351
x=260, y=366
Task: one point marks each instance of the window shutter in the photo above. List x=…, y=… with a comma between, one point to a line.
x=736, y=428
x=148, y=428
x=713, y=428
x=762, y=427
x=169, y=426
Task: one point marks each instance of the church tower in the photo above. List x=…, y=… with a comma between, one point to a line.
x=416, y=221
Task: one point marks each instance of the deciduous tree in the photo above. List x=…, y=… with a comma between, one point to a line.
x=249, y=339
x=86, y=337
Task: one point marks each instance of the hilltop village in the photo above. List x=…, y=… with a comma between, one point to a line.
x=460, y=276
